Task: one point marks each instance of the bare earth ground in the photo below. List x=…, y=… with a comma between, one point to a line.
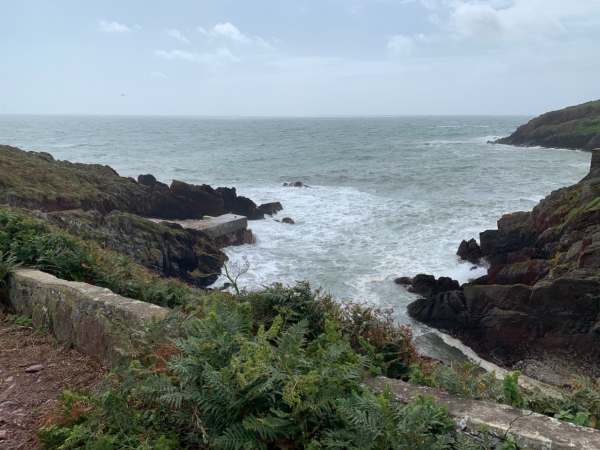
x=28, y=393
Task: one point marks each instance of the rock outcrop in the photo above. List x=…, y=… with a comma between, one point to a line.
x=428, y=285
x=575, y=127
x=541, y=294
x=270, y=209
x=92, y=201
x=470, y=251
x=36, y=181
x=167, y=248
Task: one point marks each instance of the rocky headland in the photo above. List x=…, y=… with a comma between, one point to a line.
x=575, y=127
x=95, y=203
x=539, y=303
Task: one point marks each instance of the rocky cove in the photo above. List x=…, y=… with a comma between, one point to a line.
x=140, y=218
x=164, y=229
x=538, y=307
x=516, y=316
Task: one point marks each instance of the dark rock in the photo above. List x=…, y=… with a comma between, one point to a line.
x=428, y=286
x=470, y=251
x=147, y=180
x=238, y=204
x=444, y=310
x=246, y=207
x=36, y=181
x=167, y=248
x=404, y=281
x=197, y=200
x=540, y=294
x=270, y=208
x=511, y=320
x=44, y=155
x=295, y=184
x=526, y=272
x=288, y=220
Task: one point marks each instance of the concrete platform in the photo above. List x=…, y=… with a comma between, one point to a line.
x=215, y=227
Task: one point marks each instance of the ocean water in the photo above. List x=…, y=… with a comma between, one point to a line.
x=387, y=197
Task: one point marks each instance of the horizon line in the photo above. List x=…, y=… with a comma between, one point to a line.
x=261, y=116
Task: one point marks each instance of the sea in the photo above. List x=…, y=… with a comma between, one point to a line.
x=385, y=196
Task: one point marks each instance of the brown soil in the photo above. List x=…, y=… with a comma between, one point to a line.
x=28, y=394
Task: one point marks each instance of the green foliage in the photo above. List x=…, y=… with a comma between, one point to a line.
x=579, y=405
x=371, y=332
x=8, y=263
x=463, y=380
x=582, y=405
x=470, y=381
x=117, y=428
x=233, y=381
x=31, y=242
x=22, y=321
x=512, y=391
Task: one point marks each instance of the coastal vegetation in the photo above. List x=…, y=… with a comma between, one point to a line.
x=283, y=367
x=576, y=127
x=31, y=242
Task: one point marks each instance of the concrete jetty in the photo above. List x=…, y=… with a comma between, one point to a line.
x=215, y=227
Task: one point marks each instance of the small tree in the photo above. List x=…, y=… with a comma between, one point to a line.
x=234, y=271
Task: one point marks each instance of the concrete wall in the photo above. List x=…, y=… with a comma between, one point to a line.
x=93, y=320
x=529, y=430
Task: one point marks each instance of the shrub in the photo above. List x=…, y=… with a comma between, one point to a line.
x=512, y=391
x=31, y=242
x=370, y=331
x=463, y=380
x=579, y=405
x=234, y=381
x=8, y=263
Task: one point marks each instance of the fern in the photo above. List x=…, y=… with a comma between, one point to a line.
x=239, y=383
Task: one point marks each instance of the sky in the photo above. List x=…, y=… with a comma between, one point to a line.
x=298, y=57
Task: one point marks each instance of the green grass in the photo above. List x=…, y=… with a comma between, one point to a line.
x=35, y=182
x=20, y=320
x=589, y=126
x=33, y=243
x=579, y=405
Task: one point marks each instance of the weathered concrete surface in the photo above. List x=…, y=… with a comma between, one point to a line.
x=529, y=430
x=215, y=227
x=92, y=319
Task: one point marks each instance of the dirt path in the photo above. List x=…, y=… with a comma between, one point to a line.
x=34, y=370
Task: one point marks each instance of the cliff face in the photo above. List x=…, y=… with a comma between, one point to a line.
x=37, y=181
x=542, y=290
x=575, y=127
x=168, y=249
x=95, y=203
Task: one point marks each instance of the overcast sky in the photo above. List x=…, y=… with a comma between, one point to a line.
x=298, y=57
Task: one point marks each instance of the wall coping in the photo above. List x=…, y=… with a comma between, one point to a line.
x=528, y=429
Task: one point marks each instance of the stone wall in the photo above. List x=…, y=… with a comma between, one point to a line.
x=93, y=320
x=479, y=418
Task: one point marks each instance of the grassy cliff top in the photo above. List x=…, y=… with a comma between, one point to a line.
x=576, y=127
x=37, y=180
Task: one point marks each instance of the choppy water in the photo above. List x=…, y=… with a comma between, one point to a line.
x=388, y=196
